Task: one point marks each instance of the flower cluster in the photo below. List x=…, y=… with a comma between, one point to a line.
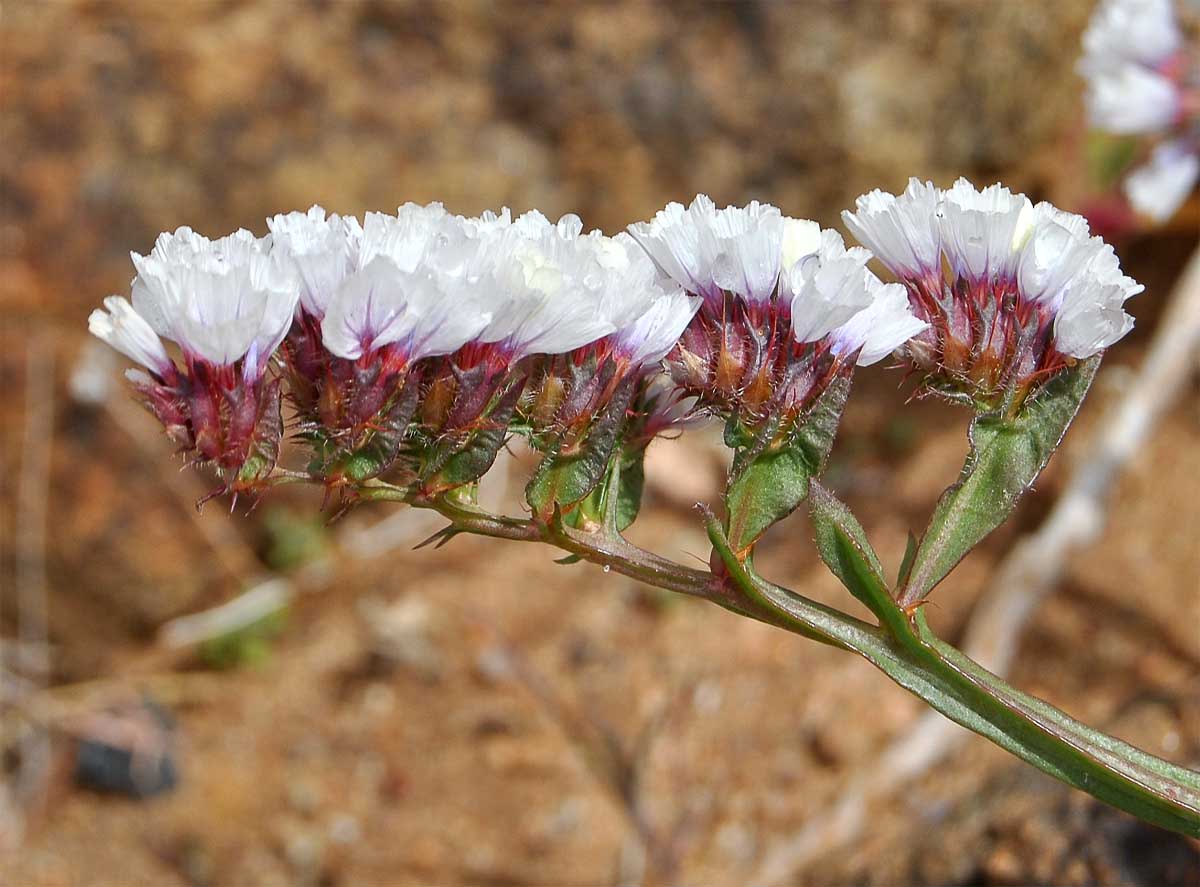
x=784, y=308
x=416, y=342
x=1012, y=292
x=228, y=304
x=1144, y=79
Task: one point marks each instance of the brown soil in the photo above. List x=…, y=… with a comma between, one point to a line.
x=419, y=717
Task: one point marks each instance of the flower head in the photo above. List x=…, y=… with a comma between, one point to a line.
x=227, y=303
x=219, y=300
x=779, y=297
x=1019, y=292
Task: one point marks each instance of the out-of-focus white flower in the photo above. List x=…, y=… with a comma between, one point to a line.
x=220, y=300
x=125, y=330
x=383, y=304
x=902, y=231
x=708, y=250
x=883, y=326
x=1143, y=31
x=1130, y=99
x=324, y=250
x=1160, y=186
x=980, y=230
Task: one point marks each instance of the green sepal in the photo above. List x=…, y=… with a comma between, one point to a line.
x=768, y=482
x=564, y=480
x=450, y=464
x=626, y=479
x=1007, y=455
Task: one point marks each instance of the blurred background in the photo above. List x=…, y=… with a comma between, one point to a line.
x=345, y=710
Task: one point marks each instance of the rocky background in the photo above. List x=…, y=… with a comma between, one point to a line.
x=432, y=717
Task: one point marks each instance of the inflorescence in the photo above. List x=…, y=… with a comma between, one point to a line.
x=415, y=343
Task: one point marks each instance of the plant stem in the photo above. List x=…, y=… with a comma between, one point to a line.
x=1154, y=790
x=1115, y=772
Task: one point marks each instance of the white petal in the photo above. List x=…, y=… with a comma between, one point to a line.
x=324, y=251
x=1090, y=320
x=827, y=288
x=124, y=329
x=652, y=335
x=983, y=230
x=901, y=231
x=881, y=327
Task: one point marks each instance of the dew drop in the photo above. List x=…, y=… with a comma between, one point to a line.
x=607, y=568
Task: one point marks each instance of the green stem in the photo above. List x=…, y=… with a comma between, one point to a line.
x=1154, y=790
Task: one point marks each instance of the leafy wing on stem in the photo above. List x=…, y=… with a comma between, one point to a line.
x=1007, y=455
x=769, y=482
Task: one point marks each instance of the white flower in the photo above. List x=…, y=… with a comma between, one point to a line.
x=880, y=328
x=901, y=231
x=1130, y=99
x=1078, y=279
x=1143, y=31
x=125, y=330
x=324, y=251
x=982, y=231
x=220, y=300
x=384, y=304
x=706, y=250
x=1091, y=319
x=826, y=288
x=552, y=287
x=1160, y=186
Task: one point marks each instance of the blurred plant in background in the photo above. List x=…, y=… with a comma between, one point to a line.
x=1143, y=80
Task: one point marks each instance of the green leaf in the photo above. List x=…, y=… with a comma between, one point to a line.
x=563, y=480
x=769, y=483
x=843, y=546
x=615, y=502
x=1117, y=773
x=1006, y=457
